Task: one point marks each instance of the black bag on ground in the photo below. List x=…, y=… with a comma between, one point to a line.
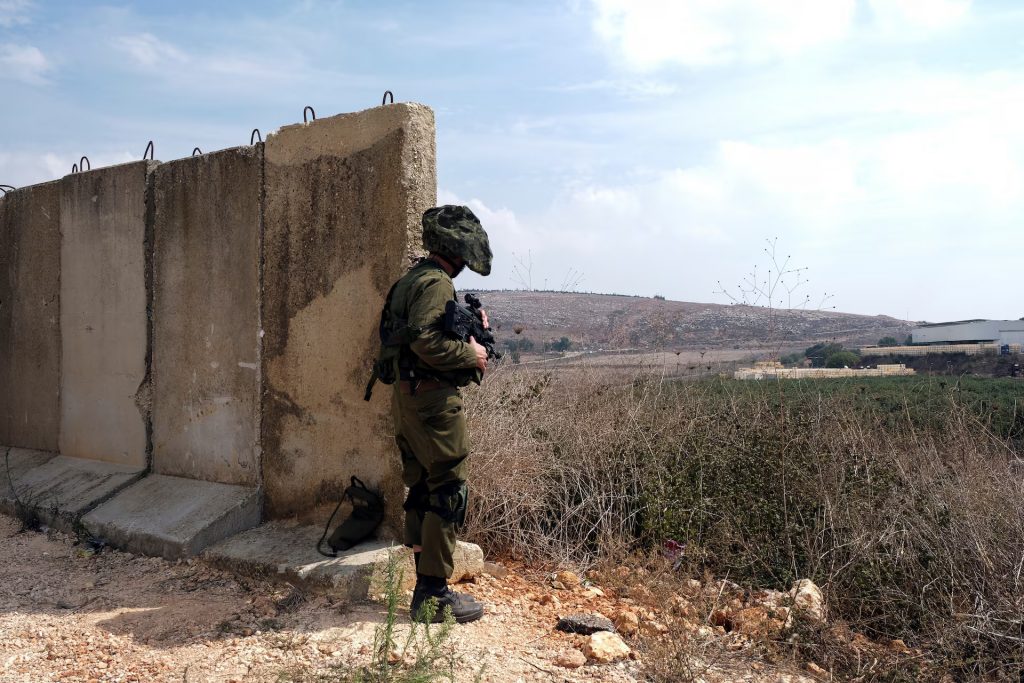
x=367, y=514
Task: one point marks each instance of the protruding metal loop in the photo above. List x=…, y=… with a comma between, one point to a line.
x=82, y=162
x=256, y=135
x=310, y=110
x=149, y=151
x=385, y=100
x=196, y=150
x=7, y=188
x=74, y=168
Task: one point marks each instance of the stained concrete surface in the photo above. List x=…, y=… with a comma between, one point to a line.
x=344, y=197
x=62, y=489
x=206, y=316
x=288, y=551
x=104, y=325
x=30, y=317
x=173, y=517
x=15, y=464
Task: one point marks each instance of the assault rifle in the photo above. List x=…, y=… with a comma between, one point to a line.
x=463, y=322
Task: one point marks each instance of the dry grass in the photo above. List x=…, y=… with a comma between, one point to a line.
x=909, y=519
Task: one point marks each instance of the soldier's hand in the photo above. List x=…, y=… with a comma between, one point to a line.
x=481, y=354
x=483, y=319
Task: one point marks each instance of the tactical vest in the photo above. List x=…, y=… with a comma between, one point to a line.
x=396, y=360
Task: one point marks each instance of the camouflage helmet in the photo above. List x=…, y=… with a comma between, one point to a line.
x=451, y=230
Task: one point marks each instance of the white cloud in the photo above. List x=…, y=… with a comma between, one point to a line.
x=25, y=63
x=648, y=34
x=14, y=12
x=147, y=50
x=900, y=17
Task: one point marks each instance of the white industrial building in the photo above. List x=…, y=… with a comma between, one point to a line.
x=999, y=332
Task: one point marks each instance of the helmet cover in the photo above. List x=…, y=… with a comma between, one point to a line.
x=452, y=230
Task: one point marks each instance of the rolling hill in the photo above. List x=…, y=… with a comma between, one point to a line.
x=610, y=321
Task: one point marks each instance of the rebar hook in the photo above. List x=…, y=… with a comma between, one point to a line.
x=82, y=162
x=255, y=135
x=7, y=188
x=149, y=151
x=385, y=100
x=196, y=149
x=310, y=110
x=74, y=168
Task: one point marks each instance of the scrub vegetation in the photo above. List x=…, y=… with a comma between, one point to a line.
x=900, y=497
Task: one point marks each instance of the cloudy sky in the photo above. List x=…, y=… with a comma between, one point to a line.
x=628, y=146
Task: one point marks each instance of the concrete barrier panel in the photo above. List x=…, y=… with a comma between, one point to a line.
x=206, y=316
x=344, y=196
x=104, y=326
x=30, y=317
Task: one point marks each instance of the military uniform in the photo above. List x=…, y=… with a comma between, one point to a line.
x=427, y=366
x=430, y=424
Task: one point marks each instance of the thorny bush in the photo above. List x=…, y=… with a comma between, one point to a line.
x=900, y=497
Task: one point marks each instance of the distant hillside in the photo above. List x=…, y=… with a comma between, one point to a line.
x=611, y=321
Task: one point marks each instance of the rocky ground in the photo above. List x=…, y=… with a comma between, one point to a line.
x=69, y=613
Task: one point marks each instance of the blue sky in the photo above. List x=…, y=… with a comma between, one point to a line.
x=624, y=146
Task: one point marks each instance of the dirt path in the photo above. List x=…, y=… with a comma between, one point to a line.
x=67, y=614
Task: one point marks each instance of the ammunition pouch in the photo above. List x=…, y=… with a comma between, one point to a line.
x=418, y=499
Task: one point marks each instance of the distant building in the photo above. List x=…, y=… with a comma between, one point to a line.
x=997, y=332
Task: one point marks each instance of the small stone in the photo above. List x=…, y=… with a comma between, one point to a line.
x=571, y=659
x=899, y=646
x=816, y=670
x=496, y=570
x=567, y=579
x=604, y=647
x=681, y=607
x=593, y=592
x=585, y=624
x=548, y=599
x=627, y=622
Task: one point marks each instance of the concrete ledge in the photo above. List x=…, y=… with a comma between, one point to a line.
x=62, y=489
x=173, y=517
x=16, y=463
x=288, y=551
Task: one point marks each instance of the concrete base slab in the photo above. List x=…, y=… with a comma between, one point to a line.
x=288, y=551
x=173, y=517
x=16, y=463
x=61, y=489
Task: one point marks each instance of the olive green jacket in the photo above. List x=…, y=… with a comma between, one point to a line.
x=420, y=297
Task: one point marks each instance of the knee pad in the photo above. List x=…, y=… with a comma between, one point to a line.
x=449, y=502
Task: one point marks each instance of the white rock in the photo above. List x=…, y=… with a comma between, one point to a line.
x=808, y=598
x=605, y=647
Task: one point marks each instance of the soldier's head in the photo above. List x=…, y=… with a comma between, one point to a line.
x=454, y=233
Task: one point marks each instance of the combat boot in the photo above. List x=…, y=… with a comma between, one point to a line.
x=464, y=607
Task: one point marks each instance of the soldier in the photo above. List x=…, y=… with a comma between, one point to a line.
x=427, y=368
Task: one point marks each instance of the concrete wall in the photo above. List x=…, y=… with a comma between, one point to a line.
x=104, y=322
x=344, y=197
x=219, y=313
x=30, y=317
x=206, y=316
